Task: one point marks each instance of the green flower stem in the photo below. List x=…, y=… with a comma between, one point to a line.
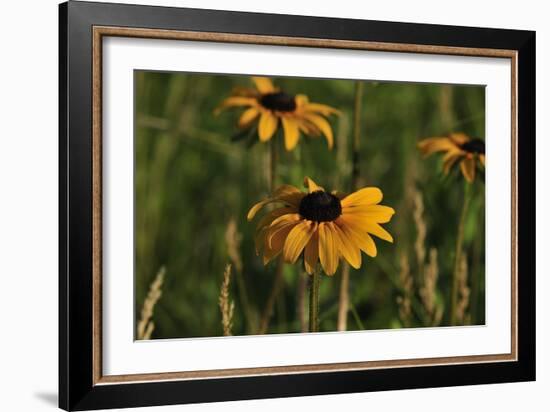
x=357, y=110
x=458, y=251
x=314, y=284
x=272, y=164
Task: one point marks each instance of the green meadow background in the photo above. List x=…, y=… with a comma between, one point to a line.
x=192, y=181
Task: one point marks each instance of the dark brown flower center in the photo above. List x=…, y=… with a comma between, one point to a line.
x=320, y=206
x=474, y=146
x=278, y=101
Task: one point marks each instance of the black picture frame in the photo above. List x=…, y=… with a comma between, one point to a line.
x=77, y=390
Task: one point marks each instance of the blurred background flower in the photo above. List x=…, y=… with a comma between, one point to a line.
x=458, y=148
x=268, y=105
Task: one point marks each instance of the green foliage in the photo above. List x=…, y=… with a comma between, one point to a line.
x=192, y=178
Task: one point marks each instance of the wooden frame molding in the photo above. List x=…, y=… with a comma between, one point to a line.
x=99, y=32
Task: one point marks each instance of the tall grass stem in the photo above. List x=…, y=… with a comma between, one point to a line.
x=146, y=325
x=274, y=294
x=233, y=240
x=278, y=282
x=227, y=306
x=314, y=284
x=343, y=300
x=272, y=164
x=458, y=253
x=357, y=110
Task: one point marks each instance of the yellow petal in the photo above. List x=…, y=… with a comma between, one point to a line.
x=482, y=159
x=321, y=123
x=286, y=194
x=263, y=84
x=284, y=190
x=450, y=159
x=301, y=100
x=256, y=208
x=297, y=239
x=270, y=254
x=311, y=251
x=371, y=213
x=293, y=199
x=378, y=231
x=289, y=195
x=436, y=144
x=363, y=197
x=459, y=138
x=267, y=126
x=244, y=92
x=308, y=128
x=236, y=101
x=348, y=249
x=468, y=167
x=323, y=109
x=274, y=245
x=265, y=234
x=359, y=238
x=274, y=214
x=328, y=254
x=248, y=116
x=280, y=223
x=311, y=185
x=292, y=133
x=369, y=245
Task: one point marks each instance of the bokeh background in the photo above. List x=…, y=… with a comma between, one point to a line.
x=194, y=184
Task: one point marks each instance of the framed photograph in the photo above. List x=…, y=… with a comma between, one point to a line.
x=256, y=206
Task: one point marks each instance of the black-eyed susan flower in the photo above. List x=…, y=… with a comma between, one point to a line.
x=458, y=147
x=271, y=107
x=321, y=226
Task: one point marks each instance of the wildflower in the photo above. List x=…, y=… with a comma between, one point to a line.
x=323, y=226
x=460, y=148
x=270, y=107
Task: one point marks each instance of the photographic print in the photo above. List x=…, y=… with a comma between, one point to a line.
x=241, y=193
x=272, y=205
